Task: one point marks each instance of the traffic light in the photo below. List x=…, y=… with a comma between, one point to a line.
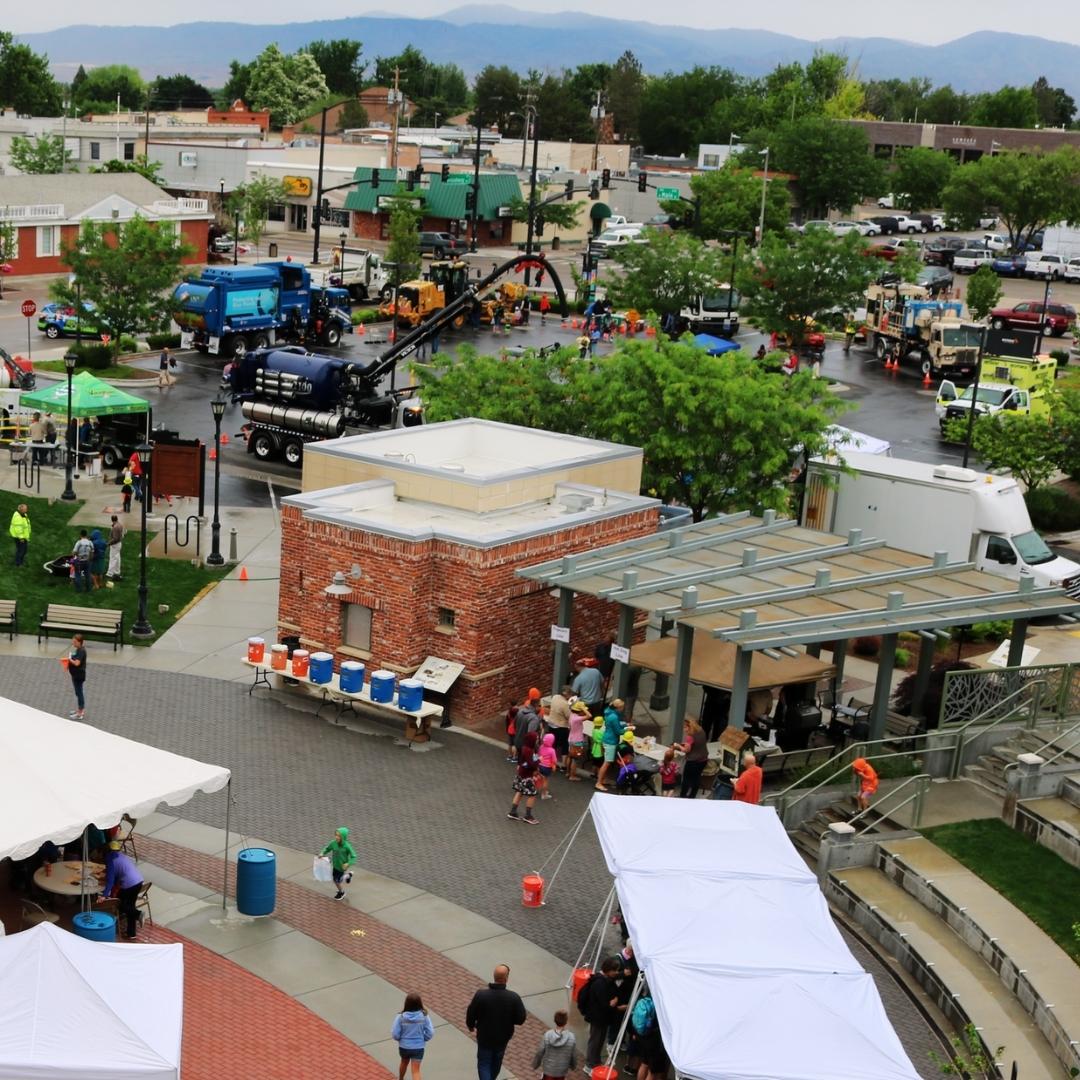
x=445, y=171
x=419, y=174
x=642, y=181
x=688, y=218
x=605, y=179
x=411, y=180
x=569, y=190
x=539, y=226
x=374, y=177
x=470, y=201
x=594, y=190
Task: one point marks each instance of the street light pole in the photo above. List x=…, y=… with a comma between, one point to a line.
x=142, y=627
x=1045, y=316
x=764, y=188
x=475, y=187
x=730, y=141
x=318, y=186
x=69, y=365
x=215, y=558
x=974, y=400
x=532, y=186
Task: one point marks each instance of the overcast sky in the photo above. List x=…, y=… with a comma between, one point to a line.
x=927, y=21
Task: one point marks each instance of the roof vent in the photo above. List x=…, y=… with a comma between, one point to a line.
x=453, y=466
x=954, y=472
x=574, y=504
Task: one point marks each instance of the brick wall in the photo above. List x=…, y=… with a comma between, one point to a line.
x=374, y=227
x=501, y=622
x=196, y=233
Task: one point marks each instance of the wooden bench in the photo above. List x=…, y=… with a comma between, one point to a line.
x=9, y=617
x=103, y=622
x=902, y=726
x=779, y=764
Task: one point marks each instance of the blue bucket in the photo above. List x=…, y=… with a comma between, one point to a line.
x=321, y=667
x=256, y=881
x=382, y=686
x=352, y=677
x=410, y=695
x=95, y=925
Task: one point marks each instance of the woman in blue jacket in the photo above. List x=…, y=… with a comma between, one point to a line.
x=613, y=731
x=412, y=1030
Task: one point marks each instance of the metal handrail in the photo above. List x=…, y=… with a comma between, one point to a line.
x=1065, y=750
x=1038, y=685
x=923, y=779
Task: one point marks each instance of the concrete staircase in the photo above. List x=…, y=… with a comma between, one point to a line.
x=989, y=770
x=807, y=837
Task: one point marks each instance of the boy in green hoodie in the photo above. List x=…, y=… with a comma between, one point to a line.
x=342, y=856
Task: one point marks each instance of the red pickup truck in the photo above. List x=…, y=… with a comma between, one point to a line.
x=1056, y=319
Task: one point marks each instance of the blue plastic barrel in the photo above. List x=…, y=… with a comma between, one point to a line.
x=352, y=677
x=410, y=695
x=256, y=881
x=95, y=925
x=382, y=686
x=321, y=667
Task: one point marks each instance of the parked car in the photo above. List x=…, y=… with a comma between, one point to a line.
x=968, y=260
x=1008, y=265
x=1072, y=270
x=886, y=223
x=909, y=224
x=814, y=223
x=996, y=241
x=940, y=252
x=891, y=248
x=863, y=228
x=987, y=221
x=1055, y=319
x=936, y=279
x=931, y=222
x=439, y=244
x=1041, y=265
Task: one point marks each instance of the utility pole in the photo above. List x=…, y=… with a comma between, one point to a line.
x=476, y=183
x=530, y=110
x=597, y=112
x=146, y=129
x=318, y=189
x=395, y=97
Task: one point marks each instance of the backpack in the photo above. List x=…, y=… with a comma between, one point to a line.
x=584, y=998
x=644, y=1016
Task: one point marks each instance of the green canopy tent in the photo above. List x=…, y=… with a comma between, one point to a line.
x=90, y=396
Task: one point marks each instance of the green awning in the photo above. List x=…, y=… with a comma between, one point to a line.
x=600, y=210
x=90, y=396
x=439, y=199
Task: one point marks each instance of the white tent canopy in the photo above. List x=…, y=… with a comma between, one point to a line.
x=750, y=977
x=72, y=1009
x=106, y=777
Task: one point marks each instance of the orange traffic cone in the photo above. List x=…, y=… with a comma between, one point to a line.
x=360, y=330
x=926, y=379
x=243, y=573
x=213, y=454
x=224, y=438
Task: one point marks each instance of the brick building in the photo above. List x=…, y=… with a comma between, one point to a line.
x=239, y=113
x=48, y=211
x=429, y=525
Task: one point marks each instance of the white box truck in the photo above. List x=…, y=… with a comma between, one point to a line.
x=975, y=517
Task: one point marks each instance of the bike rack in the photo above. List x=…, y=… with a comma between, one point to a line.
x=187, y=531
x=28, y=470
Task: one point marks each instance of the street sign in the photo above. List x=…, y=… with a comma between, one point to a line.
x=669, y=193
x=459, y=178
x=105, y=339
x=28, y=308
x=388, y=202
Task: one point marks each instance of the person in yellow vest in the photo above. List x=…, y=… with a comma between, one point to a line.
x=20, y=532
x=850, y=329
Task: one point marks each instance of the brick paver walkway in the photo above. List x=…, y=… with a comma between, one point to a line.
x=237, y=1026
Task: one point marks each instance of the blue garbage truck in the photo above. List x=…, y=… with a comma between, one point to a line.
x=230, y=310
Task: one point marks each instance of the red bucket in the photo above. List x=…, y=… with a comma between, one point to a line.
x=577, y=984
x=605, y=1072
x=532, y=890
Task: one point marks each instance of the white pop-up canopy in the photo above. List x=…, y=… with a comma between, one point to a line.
x=105, y=776
x=72, y=1009
x=750, y=977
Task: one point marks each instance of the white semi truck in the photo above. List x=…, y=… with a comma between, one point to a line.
x=975, y=517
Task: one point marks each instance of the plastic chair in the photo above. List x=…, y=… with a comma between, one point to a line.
x=34, y=914
x=143, y=901
x=127, y=841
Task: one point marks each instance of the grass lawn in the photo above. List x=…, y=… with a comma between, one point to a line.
x=113, y=371
x=1041, y=884
x=169, y=581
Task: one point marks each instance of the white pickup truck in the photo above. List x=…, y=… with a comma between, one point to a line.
x=361, y=272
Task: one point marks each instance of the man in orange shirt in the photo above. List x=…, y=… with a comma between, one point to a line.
x=868, y=781
x=748, y=786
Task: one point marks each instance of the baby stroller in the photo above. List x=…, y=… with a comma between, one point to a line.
x=631, y=780
x=60, y=567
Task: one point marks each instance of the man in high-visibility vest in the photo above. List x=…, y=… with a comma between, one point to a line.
x=20, y=532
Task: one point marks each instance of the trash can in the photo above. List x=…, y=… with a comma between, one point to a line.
x=272, y=251
x=555, y=241
x=256, y=881
x=95, y=925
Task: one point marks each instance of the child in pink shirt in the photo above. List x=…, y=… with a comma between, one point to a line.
x=549, y=759
x=669, y=773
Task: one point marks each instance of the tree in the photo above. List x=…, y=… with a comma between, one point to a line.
x=42, y=154
x=498, y=92
x=286, y=85
x=791, y=282
x=125, y=271
x=666, y=274
x=179, y=92
x=730, y=200
x=1030, y=445
x=681, y=110
x=922, y=174
x=831, y=163
x=339, y=61
x=26, y=84
x=251, y=203
x=236, y=88
x=983, y=292
x=403, y=251
x=1011, y=106
x=9, y=238
x=625, y=85
x=562, y=215
x=77, y=80
x=1054, y=107
x=141, y=165
x=1067, y=417
x=352, y=115
x=103, y=84
x=1027, y=191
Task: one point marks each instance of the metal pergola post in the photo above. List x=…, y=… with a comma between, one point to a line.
x=561, y=663
x=922, y=676
x=1016, y=643
x=621, y=675
x=740, y=689
x=684, y=648
x=883, y=686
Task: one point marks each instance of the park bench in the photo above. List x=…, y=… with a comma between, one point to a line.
x=9, y=617
x=779, y=764
x=103, y=622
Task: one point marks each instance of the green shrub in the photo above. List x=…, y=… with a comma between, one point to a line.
x=994, y=630
x=1053, y=510
x=902, y=657
x=128, y=343
x=1060, y=355
x=163, y=341
x=92, y=357
x=366, y=315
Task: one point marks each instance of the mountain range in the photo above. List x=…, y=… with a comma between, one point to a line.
x=983, y=60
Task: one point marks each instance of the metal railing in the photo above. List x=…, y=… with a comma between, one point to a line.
x=1035, y=688
x=1046, y=746
x=918, y=797
x=965, y=693
x=187, y=532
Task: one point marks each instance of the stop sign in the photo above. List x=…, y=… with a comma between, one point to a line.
x=28, y=308
x=105, y=339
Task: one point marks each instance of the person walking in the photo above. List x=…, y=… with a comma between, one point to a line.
x=696, y=749
x=868, y=781
x=122, y=877
x=116, y=544
x=599, y=1004
x=545, y=307
x=613, y=732
x=493, y=1014
x=342, y=856
x=594, y=338
x=163, y=379
x=135, y=466
x=20, y=532
x=127, y=481
x=579, y=712
x=528, y=720
x=557, y=1054
x=76, y=665
x=412, y=1031
x=583, y=345
x=97, y=563
x=525, y=781
x=82, y=555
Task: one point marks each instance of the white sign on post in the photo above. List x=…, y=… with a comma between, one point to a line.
x=560, y=633
x=620, y=653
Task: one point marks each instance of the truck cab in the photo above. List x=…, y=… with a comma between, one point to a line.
x=1006, y=384
x=714, y=313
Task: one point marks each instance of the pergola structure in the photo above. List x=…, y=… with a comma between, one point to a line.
x=767, y=584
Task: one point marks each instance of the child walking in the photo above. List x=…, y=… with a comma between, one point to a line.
x=525, y=781
x=511, y=731
x=557, y=1056
x=412, y=1030
x=549, y=759
x=342, y=856
x=578, y=711
x=669, y=774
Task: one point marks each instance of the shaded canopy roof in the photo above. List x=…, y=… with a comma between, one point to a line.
x=439, y=199
x=712, y=663
x=768, y=583
x=90, y=396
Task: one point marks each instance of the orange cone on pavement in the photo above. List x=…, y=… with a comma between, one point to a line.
x=213, y=454
x=243, y=573
x=926, y=379
x=360, y=330
x=224, y=438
